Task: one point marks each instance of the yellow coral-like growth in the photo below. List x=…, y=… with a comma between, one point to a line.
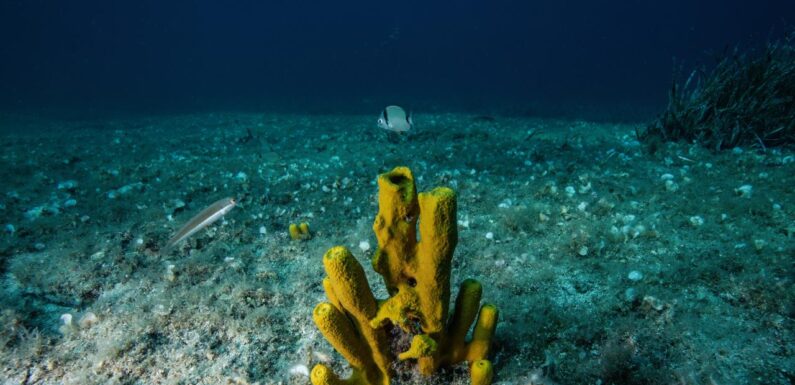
x=417, y=277
x=481, y=372
x=299, y=232
x=345, y=322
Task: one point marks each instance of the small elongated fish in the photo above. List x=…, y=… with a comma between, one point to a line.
x=395, y=119
x=202, y=220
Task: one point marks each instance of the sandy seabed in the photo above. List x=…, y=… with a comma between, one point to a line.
x=610, y=264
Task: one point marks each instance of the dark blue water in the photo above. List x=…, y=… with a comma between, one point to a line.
x=528, y=57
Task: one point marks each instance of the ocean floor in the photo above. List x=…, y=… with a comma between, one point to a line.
x=610, y=264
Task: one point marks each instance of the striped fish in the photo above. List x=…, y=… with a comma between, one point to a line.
x=395, y=119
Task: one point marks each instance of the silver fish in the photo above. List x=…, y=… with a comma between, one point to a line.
x=202, y=220
x=395, y=119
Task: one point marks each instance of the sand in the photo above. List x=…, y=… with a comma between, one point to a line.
x=610, y=264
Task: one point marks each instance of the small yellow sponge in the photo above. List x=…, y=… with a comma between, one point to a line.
x=300, y=232
x=481, y=372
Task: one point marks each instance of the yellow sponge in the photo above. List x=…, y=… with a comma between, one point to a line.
x=417, y=278
x=300, y=232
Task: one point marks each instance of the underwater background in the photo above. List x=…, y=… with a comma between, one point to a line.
x=540, y=57
x=172, y=174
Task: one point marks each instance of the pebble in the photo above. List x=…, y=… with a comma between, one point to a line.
x=67, y=185
x=490, y=236
x=635, y=276
x=696, y=221
x=66, y=319
x=178, y=204
x=34, y=212
x=630, y=295
x=744, y=191
x=299, y=369
x=88, y=320
x=170, y=275
x=364, y=246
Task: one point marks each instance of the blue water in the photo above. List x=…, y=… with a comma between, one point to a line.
x=611, y=59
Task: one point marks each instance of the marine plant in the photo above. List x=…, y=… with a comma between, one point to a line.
x=417, y=277
x=746, y=100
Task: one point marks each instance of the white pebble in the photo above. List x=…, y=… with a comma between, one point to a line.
x=178, y=204
x=570, y=191
x=696, y=220
x=66, y=319
x=262, y=230
x=300, y=370
x=744, y=191
x=322, y=356
x=364, y=246
x=490, y=236
x=67, y=185
x=170, y=274
x=635, y=275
